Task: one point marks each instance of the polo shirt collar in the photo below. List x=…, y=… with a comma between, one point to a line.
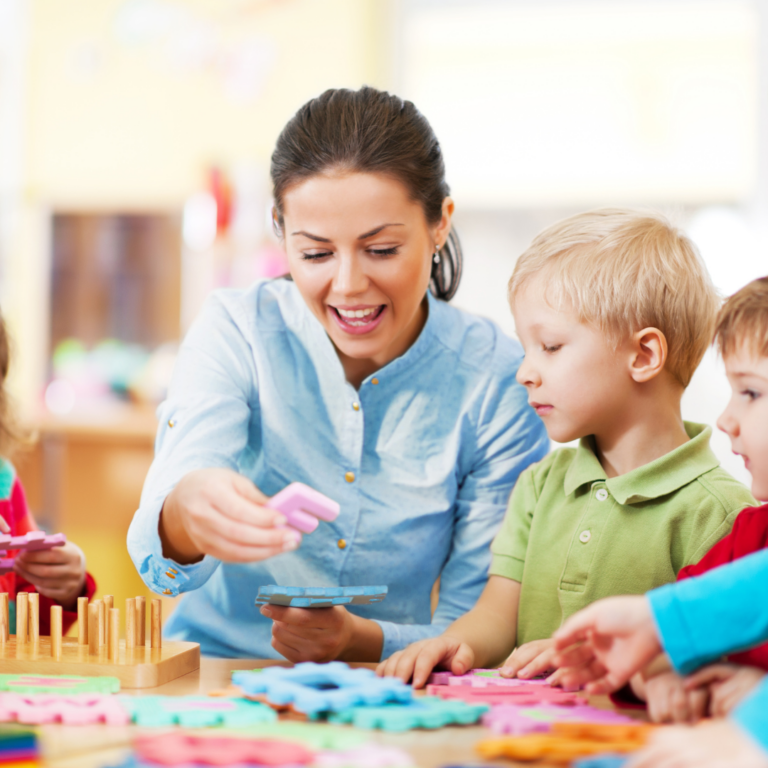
x=665, y=475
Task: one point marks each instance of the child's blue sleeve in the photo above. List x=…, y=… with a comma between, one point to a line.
x=752, y=714
x=725, y=610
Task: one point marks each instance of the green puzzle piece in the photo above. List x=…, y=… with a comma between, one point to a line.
x=196, y=711
x=423, y=712
x=64, y=684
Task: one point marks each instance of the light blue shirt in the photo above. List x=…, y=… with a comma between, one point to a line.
x=436, y=443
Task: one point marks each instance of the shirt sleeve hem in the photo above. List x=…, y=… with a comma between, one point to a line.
x=751, y=715
x=508, y=567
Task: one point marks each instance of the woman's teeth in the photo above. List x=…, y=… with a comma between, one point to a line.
x=356, y=312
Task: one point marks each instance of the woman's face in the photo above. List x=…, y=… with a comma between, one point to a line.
x=360, y=252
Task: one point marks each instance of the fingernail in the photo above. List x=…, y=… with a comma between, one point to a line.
x=265, y=611
x=523, y=672
x=505, y=671
x=279, y=520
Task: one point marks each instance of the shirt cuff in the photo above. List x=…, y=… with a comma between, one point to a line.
x=398, y=636
x=752, y=715
x=506, y=566
x=676, y=636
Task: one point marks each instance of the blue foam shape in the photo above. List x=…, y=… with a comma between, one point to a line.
x=319, y=597
x=608, y=760
x=314, y=688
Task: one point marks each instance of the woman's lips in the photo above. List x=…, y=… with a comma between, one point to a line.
x=357, y=326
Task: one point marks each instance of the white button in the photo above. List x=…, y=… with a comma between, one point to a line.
x=585, y=536
x=601, y=494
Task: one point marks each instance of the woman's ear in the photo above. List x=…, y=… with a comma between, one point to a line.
x=649, y=354
x=440, y=233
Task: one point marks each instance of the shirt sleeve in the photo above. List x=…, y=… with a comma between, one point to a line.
x=701, y=619
x=510, y=437
x=203, y=423
x=752, y=714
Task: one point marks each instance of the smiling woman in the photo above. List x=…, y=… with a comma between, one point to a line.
x=354, y=378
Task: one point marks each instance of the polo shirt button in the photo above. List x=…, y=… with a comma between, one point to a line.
x=601, y=494
x=342, y=543
x=585, y=536
x=356, y=406
x=350, y=477
x=374, y=381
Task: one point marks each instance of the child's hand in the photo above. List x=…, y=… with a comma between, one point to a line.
x=419, y=659
x=671, y=701
x=606, y=643
x=530, y=660
x=719, y=745
x=728, y=685
x=57, y=573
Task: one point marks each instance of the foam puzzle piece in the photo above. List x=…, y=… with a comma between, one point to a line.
x=63, y=684
x=528, y=693
x=6, y=564
x=518, y=720
x=76, y=709
x=32, y=541
x=315, y=736
x=424, y=712
x=367, y=756
x=176, y=748
x=602, y=761
x=302, y=506
x=320, y=597
x=567, y=742
x=479, y=678
x=195, y=711
x=314, y=688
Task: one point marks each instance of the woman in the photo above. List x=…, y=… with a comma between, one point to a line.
x=354, y=379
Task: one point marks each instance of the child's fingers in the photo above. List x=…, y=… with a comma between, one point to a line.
x=544, y=662
x=575, y=655
x=518, y=659
x=4, y=527
x=56, y=555
x=423, y=665
x=406, y=663
x=707, y=675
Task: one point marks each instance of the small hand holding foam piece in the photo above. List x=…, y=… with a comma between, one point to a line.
x=604, y=644
x=419, y=659
x=531, y=660
x=57, y=573
x=727, y=684
x=720, y=744
x=671, y=701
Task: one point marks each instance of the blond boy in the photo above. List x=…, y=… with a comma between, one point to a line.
x=615, y=311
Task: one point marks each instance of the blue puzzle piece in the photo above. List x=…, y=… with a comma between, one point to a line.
x=314, y=688
x=424, y=712
x=319, y=597
x=196, y=711
x=602, y=761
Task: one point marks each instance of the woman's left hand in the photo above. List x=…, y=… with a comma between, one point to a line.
x=57, y=573
x=323, y=634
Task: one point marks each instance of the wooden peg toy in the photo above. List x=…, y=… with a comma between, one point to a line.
x=114, y=634
x=130, y=622
x=156, y=640
x=102, y=623
x=82, y=621
x=56, y=626
x=22, y=617
x=5, y=628
x=109, y=604
x=93, y=628
x=34, y=617
x=141, y=621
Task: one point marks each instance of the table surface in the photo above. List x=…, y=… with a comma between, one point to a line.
x=100, y=745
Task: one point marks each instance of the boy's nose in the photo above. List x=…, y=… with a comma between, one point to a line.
x=526, y=374
x=727, y=423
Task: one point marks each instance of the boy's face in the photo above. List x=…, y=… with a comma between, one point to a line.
x=577, y=382
x=745, y=420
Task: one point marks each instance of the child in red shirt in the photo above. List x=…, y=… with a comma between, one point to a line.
x=58, y=574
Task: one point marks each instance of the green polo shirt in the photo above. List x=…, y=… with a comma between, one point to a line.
x=571, y=536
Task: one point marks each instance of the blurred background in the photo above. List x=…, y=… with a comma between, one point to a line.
x=135, y=138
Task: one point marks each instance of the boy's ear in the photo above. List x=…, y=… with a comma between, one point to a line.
x=649, y=354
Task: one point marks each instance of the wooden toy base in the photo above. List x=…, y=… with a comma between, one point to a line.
x=140, y=667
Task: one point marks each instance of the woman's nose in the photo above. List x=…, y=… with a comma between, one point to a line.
x=350, y=278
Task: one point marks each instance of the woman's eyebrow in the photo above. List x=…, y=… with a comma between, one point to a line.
x=312, y=237
x=364, y=236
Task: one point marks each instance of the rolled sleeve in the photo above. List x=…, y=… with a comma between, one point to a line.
x=751, y=715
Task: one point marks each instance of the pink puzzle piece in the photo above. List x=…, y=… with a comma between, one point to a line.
x=32, y=541
x=75, y=709
x=302, y=506
x=519, y=720
x=477, y=678
x=365, y=756
x=526, y=692
x=175, y=748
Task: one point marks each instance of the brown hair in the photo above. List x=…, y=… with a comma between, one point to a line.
x=621, y=270
x=744, y=320
x=369, y=131
x=11, y=434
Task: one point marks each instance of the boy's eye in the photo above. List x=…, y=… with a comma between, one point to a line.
x=750, y=394
x=552, y=348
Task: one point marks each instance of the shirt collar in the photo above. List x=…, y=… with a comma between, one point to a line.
x=665, y=475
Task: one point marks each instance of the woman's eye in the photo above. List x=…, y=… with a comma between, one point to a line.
x=313, y=255
x=383, y=251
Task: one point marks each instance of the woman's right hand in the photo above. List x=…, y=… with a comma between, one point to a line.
x=420, y=658
x=220, y=513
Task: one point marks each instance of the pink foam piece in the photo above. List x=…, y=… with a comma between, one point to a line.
x=175, y=748
x=365, y=756
x=302, y=506
x=473, y=679
x=6, y=564
x=73, y=709
x=32, y=541
x=518, y=720
x=527, y=692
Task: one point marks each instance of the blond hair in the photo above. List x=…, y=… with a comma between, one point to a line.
x=622, y=270
x=744, y=320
